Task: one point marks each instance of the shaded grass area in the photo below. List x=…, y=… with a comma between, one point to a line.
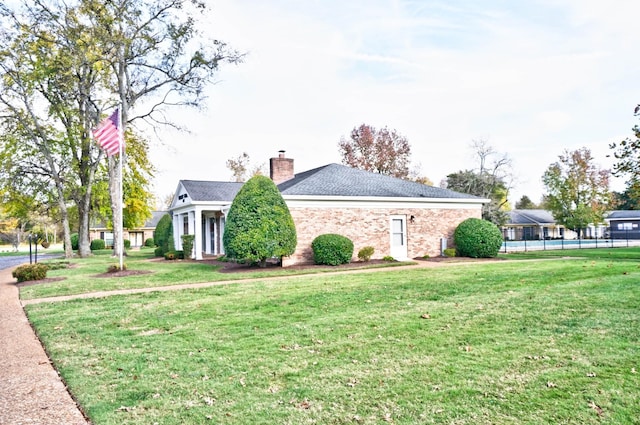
x=83, y=275
x=506, y=342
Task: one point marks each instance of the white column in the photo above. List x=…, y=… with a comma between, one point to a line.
x=177, y=221
x=197, y=232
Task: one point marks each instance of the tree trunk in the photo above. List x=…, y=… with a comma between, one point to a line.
x=116, y=200
x=84, y=245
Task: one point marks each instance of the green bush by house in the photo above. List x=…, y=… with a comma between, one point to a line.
x=150, y=243
x=365, y=253
x=259, y=225
x=477, y=238
x=97, y=244
x=74, y=241
x=332, y=249
x=163, y=235
x=187, y=245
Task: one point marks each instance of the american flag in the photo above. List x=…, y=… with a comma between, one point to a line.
x=109, y=134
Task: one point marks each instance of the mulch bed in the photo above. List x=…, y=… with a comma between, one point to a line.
x=121, y=273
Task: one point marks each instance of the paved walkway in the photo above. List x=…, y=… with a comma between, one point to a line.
x=31, y=392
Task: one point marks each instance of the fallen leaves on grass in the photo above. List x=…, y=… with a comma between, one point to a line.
x=597, y=408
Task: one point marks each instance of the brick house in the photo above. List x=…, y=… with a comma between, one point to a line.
x=136, y=236
x=399, y=218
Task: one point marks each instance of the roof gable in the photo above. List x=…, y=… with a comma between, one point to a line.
x=205, y=191
x=341, y=180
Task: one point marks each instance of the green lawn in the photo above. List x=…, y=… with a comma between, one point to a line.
x=82, y=277
x=494, y=343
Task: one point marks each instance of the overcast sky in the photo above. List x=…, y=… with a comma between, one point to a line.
x=532, y=78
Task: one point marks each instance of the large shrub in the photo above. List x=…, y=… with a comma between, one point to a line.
x=332, y=249
x=477, y=238
x=259, y=225
x=29, y=272
x=97, y=244
x=163, y=235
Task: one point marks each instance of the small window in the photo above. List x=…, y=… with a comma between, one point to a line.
x=185, y=225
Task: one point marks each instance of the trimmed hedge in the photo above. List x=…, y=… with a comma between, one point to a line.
x=28, y=272
x=332, y=249
x=97, y=244
x=150, y=243
x=187, y=244
x=477, y=238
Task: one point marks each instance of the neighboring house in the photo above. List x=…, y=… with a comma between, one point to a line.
x=399, y=218
x=135, y=236
x=540, y=224
x=624, y=224
x=532, y=225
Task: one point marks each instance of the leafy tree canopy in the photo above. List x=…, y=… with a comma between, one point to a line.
x=577, y=190
x=381, y=151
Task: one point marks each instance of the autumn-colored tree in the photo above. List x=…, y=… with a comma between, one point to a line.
x=381, y=151
x=577, y=190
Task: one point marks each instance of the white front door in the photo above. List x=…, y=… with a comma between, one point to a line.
x=399, y=237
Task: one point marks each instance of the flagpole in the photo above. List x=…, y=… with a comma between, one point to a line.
x=121, y=197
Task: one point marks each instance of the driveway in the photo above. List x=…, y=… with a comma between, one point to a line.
x=7, y=262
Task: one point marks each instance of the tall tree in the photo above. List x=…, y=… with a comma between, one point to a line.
x=381, y=151
x=577, y=190
x=525, y=203
x=157, y=57
x=48, y=71
x=627, y=154
x=491, y=179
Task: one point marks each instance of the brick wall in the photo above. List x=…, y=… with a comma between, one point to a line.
x=371, y=227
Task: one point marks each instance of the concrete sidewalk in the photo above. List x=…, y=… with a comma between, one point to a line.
x=31, y=392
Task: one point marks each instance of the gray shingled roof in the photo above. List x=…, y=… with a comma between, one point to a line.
x=523, y=217
x=200, y=190
x=155, y=218
x=340, y=180
x=624, y=215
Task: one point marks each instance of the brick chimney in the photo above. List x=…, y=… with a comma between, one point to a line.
x=281, y=168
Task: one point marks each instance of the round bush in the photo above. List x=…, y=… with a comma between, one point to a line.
x=365, y=253
x=477, y=238
x=97, y=244
x=29, y=272
x=332, y=249
x=150, y=243
x=74, y=241
x=127, y=244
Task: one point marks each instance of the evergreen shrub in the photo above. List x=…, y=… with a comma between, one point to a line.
x=477, y=238
x=332, y=249
x=97, y=244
